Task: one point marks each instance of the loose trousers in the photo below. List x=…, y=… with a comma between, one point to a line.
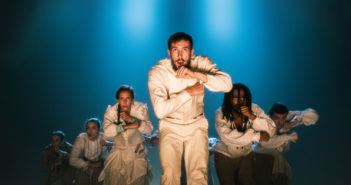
x=190, y=139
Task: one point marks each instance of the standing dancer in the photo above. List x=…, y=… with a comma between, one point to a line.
x=176, y=91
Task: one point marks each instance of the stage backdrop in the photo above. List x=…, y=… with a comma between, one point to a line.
x=63, y=60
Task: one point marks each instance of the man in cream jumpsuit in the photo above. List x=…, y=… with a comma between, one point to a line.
x=176, y=91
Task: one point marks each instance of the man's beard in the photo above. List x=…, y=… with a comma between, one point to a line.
x=187, y=65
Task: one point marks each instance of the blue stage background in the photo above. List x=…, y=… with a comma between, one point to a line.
x=62, y=61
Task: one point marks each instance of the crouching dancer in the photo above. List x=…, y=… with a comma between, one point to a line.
x=88, y=154
x=55, y=160
x=238, y=124
x=280, y=171
x=125, y=122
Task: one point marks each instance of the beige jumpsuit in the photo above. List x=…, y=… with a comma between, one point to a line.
x=183, y=126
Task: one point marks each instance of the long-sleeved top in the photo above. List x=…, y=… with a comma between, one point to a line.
x=129, y=137
x=280, y=142
x=235, y=143
x=85, y=151
x=169, y=97
x=307, y=117
x=127, y=162
x=277, y=143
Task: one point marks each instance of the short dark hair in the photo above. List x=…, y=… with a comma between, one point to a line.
x=178, y=37
x=125, y=88
x=58, y=133
x=95, y=120
x=278, y=108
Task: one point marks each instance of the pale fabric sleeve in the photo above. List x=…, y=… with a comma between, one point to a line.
x=163, y=104
x=145, y=123
x=262, y=121
x=108, y=123
x=278, y=140
x=76, y=158
x=233, y=137
x=308, y=117
x=217, y=80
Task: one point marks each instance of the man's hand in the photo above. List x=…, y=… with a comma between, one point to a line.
x=196, y=90
x=264, y=136
x=246, y=112
x=186, y=73
x=295, y=121
x=126, y=117
x=295, y=137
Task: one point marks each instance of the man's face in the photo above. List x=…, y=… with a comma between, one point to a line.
x=92, y=130
x=125, y=101
x=55, y=140
x=279, y=119
x=180, y=53
x=238, y=99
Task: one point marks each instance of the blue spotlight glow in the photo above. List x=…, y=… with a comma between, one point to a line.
x=220, y=17
x=138, y=16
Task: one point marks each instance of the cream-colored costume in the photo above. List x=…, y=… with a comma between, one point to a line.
x=236, y=144
x=127, y=162
x=183, y=126
x=233, y=154
x=280, y=143
x=85, y=151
